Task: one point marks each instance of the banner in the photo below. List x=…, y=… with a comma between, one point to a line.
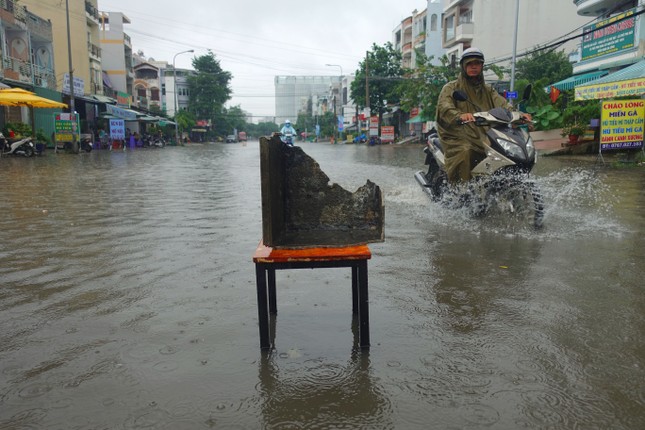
x=65, y=126
x=387, y=133
x=117, y=129
x=609, y=36
x=373, y=126
x=621, y=124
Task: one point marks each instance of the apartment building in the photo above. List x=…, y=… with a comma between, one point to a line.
x=294, y=94
x=85, y=49
x=116, y=48
x=420, y=32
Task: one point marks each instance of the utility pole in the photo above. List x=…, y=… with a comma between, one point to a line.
x=72, y=107
x=517, y=14
x=367, y=83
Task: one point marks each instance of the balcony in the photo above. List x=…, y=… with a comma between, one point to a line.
x=597, y=7
x=39, y=27
x=17, y=70
x=91, y=12
x=44, y=78
x=407, y=48
x=94, y=51
x=465, y=32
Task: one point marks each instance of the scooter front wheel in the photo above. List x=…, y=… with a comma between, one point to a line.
x=28, y=151
x=523, y=204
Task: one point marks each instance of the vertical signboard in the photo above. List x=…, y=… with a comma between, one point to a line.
x=387, y=133
x=373, y=126
x=621, y=124
x=65, y=126
x=117, y=129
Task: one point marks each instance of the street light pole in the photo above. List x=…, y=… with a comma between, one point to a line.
x=174, y=76
x=340, y=89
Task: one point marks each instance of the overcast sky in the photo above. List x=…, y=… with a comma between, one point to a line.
x=256, y=40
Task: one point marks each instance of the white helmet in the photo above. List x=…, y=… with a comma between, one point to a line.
x=471, y=53
x=287, y=122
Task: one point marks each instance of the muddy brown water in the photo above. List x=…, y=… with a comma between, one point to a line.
x=127, y=300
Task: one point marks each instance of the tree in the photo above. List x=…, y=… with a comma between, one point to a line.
x=209, y=87
x=544, y=66
x=423, y=85
x=382, y=66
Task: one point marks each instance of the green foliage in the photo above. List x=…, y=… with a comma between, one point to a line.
x=572, y=129
x=546, y=116
x=424, y=84
x=550, y=66
x=185, y=120
x=209, y=87
x=581, y=112
x=41, y=137
x=262, y=128
x=384, y=73
x=19, y=128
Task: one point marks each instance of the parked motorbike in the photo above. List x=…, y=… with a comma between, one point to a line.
x=501, y=180
x=24, y=146
x=86, y=144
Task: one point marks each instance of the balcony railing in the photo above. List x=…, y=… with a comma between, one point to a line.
x=94, y=50
x=39, y=27
x=92, y=11
x=17, y=70
x=44, y=78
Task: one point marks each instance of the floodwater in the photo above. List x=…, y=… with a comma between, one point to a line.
x=127, y=301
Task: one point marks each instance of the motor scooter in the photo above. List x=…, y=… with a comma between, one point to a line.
x=24, y=146
x=501, y=179
x=287, y=138
x=86, y=144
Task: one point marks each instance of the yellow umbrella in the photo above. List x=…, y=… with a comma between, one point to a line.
x=20, y=97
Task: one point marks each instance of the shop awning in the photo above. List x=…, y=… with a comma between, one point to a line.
x=106, y=81
x=126, y=114
x=629, y=81
x=572, y=81
x=104, y=99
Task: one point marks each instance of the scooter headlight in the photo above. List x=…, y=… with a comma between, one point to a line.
x=530, y=149
x=512, y=149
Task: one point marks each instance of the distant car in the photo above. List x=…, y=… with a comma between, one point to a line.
x=231, y=138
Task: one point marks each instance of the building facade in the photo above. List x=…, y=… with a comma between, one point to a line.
x=295, y=94
x=117, y=56
x=85, y=45
x=468, y=23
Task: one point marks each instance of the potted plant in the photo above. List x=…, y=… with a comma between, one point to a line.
x=573, y=131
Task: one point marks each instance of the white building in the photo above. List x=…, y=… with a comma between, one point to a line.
x=295, y=94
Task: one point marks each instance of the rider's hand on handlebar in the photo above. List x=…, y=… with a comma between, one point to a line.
x=466, y=117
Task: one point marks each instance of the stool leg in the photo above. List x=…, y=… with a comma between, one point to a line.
x=355, y=290
x=363, y=306
x=273, y=302
x=263, y=311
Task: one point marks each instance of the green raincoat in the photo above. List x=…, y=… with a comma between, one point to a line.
x=464, y=145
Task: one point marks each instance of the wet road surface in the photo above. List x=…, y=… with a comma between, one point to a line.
x=127, y=300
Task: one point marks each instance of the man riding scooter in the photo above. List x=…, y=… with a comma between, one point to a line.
x=463, y=141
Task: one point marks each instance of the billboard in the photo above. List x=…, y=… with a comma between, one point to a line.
x=621, y=124
x=609, y=36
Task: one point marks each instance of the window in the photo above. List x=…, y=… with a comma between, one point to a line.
x=450, y=27
x=154, y=94
x=433, y=22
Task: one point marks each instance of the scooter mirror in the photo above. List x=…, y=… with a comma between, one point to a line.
x=460, y=96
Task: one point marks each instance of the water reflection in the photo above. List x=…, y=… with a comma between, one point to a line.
x=319, y=393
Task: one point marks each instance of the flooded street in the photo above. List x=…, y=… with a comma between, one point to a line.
x=127, y=298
